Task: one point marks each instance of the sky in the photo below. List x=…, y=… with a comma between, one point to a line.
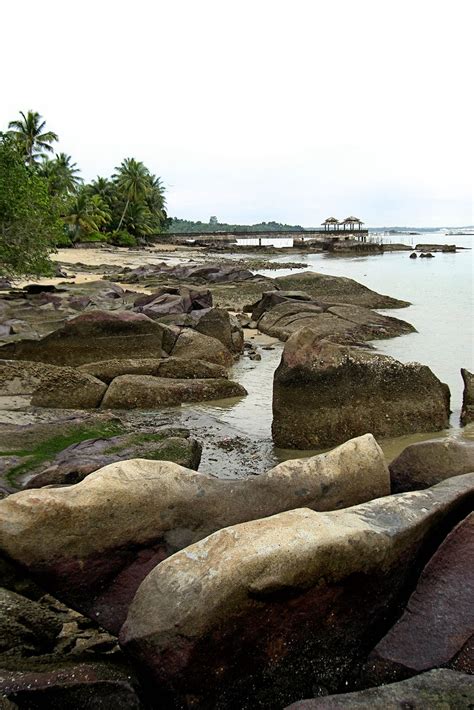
x=259, y=110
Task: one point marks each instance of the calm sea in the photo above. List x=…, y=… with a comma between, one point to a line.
x=441, y=293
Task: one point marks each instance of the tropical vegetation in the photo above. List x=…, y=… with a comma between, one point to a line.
x=125, y=209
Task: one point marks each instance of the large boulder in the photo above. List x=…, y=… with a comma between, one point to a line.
x=147, y=392
x=324, y=394
x=91, y=337
x=436, y=690
x=26, y=627
x=338, y=289
x=91, y=544
x=437, y=625
x=175, y=367
x=425, y=463
x=258, y=614
x=190, y=344
x=76, y=462
x=467, y=413
x=67, y=388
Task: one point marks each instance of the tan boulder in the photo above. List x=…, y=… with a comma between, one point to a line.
x=107, y=532
x=426, y=463
x=193, y=345
x=147, y=392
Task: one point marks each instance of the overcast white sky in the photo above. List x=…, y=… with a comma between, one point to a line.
x=259, y=109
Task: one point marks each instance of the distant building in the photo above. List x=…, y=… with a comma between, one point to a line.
x=213, y=220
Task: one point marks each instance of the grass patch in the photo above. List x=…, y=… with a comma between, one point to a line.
x=48, y=449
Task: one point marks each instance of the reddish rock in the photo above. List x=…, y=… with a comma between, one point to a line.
x=438, y=621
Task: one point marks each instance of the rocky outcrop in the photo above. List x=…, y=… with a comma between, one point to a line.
x=270, y=299
x=336, y=289
x=426, y=463
x=192, y=272
x=343, y=323
x=324, y=394
x=437, y=690
x=76, y=462
x=467, y=413
x=92, y=337
x=281, y=313
x=175, y=367
x=146, y=392
x=437, y=626
x=273, y=607
x=92, y=544
x=171, y=300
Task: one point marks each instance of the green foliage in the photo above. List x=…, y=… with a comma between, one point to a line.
x=125, y=209
x=62, y=175
x=29, y=218
x=122, y=239
x=178, y=226
x=86, y=214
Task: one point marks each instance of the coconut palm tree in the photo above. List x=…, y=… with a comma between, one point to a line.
x=62, y=174
x=155, y=198
x=103, y=187
x=30, y=135
x=86, y=214
x=132, y=180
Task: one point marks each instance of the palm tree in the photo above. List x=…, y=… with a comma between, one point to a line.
x=62, y=174
x=31, y=137
x=139, y=220
x=132, y=180
x=155, y=198
x=86, y=214
x=102, y=187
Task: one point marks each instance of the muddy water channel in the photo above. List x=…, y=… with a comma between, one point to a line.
x=441, y=293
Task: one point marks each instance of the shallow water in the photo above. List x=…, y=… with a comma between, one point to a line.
x=441, y=293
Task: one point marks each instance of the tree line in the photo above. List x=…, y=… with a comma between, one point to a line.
x=44, y=203
x=178, y=226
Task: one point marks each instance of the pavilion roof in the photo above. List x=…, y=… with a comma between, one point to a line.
x=352, y=219
x=330, y=220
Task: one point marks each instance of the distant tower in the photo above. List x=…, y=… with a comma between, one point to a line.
x=213, y=220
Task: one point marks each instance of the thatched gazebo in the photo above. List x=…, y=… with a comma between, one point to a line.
x=330, y=223
x=351, y=222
